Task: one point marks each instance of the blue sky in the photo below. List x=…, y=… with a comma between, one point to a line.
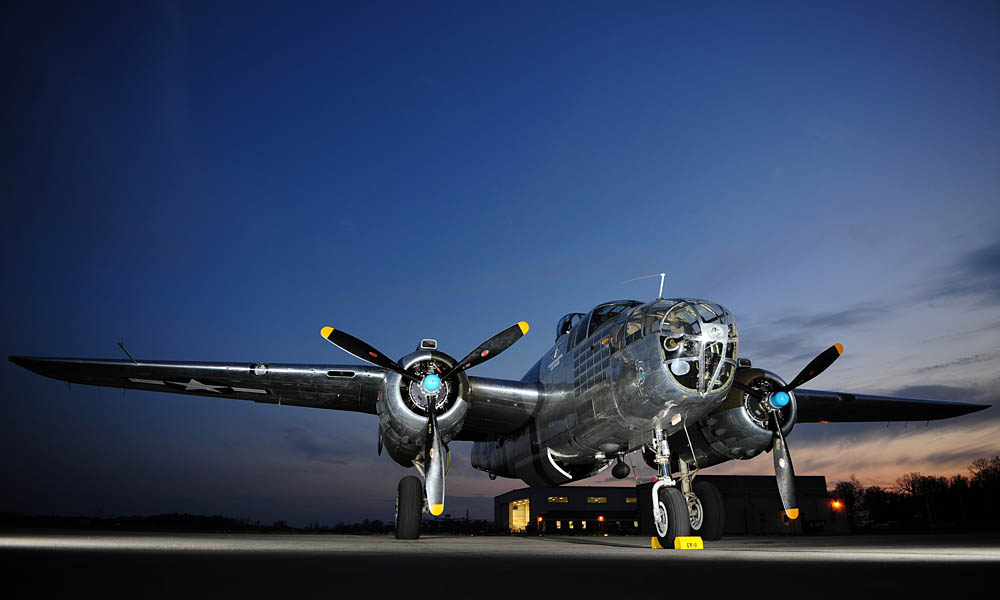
x=219, y=182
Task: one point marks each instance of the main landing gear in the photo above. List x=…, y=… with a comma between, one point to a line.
x=409, y=507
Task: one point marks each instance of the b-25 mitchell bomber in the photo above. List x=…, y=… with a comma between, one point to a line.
x=661, y=377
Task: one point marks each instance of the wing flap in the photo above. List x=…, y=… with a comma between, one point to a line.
x=815, y=406
x=353, y=388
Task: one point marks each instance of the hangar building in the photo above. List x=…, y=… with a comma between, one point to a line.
x=752, y=507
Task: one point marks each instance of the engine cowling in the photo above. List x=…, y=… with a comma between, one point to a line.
x=739, y=429
x=402, y=405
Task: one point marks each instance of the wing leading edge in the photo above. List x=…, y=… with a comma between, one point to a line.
x=815, y=406
x=353, y=388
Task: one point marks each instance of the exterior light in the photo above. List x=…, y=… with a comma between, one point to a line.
x=837, y=504
x=600, y=518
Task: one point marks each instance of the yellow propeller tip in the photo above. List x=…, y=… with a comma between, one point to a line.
x=524, y=327
x=437, y=509
x=840, y=349
x=326, y=331
x=793, y=513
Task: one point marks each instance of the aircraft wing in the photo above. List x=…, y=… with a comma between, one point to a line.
x=838, y=407
x=496, y=406
x=353, y=388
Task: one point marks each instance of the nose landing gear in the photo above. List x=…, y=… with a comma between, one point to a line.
x=670, y=511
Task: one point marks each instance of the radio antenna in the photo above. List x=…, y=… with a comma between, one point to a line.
x=662, y=276
x=122, y=346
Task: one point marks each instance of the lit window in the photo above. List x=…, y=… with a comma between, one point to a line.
x=558, y=524
x=635, y=523
x=571, y=524
x=583, y=524
x=630, y=500
x=559, y=499
x=596, y=500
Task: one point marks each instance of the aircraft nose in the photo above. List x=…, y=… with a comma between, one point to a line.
x=700, y=340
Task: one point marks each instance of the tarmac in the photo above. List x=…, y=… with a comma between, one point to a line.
x=334, y=566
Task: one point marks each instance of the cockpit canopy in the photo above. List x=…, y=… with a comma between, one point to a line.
x=601, y=314
x=566, y=323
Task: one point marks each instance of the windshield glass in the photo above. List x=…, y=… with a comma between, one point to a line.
x=700, y=343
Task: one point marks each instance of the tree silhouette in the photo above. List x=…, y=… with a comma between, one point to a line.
x=922, y=487
x=851, y=493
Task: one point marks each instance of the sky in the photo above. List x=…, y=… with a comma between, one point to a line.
x=218, y=181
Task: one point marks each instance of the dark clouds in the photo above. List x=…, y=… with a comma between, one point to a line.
x=312, y=446
x=980, y=357
x=848, y=317
x=974, y=274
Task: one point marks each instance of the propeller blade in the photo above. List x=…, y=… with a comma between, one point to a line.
x=359, y=349
x=816, y=366
x=434, y=470
x=490, y=348
x=783, y=472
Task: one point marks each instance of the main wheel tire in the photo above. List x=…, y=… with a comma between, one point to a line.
x=712, y=511
x=409, y=506
x=676, y=521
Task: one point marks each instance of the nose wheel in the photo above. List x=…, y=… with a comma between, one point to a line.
x=670, y=515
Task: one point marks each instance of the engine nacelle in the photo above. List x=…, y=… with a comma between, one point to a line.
x=402, y=405
x=740, y=428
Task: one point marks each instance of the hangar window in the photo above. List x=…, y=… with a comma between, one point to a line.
x=559, y=499
x=597, y=500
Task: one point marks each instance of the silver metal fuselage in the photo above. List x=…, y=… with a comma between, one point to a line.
x=603, y=394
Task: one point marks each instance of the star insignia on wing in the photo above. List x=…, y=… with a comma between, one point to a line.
x=196, y=386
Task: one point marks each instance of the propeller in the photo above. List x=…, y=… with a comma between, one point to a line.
x=435, y=454
x=778, y=399
x=359, y=349
x=490, y=348
x=434, y=461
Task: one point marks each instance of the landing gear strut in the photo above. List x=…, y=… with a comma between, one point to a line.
x=670, y=511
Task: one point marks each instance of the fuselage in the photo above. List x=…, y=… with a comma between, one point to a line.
x=612, y=377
